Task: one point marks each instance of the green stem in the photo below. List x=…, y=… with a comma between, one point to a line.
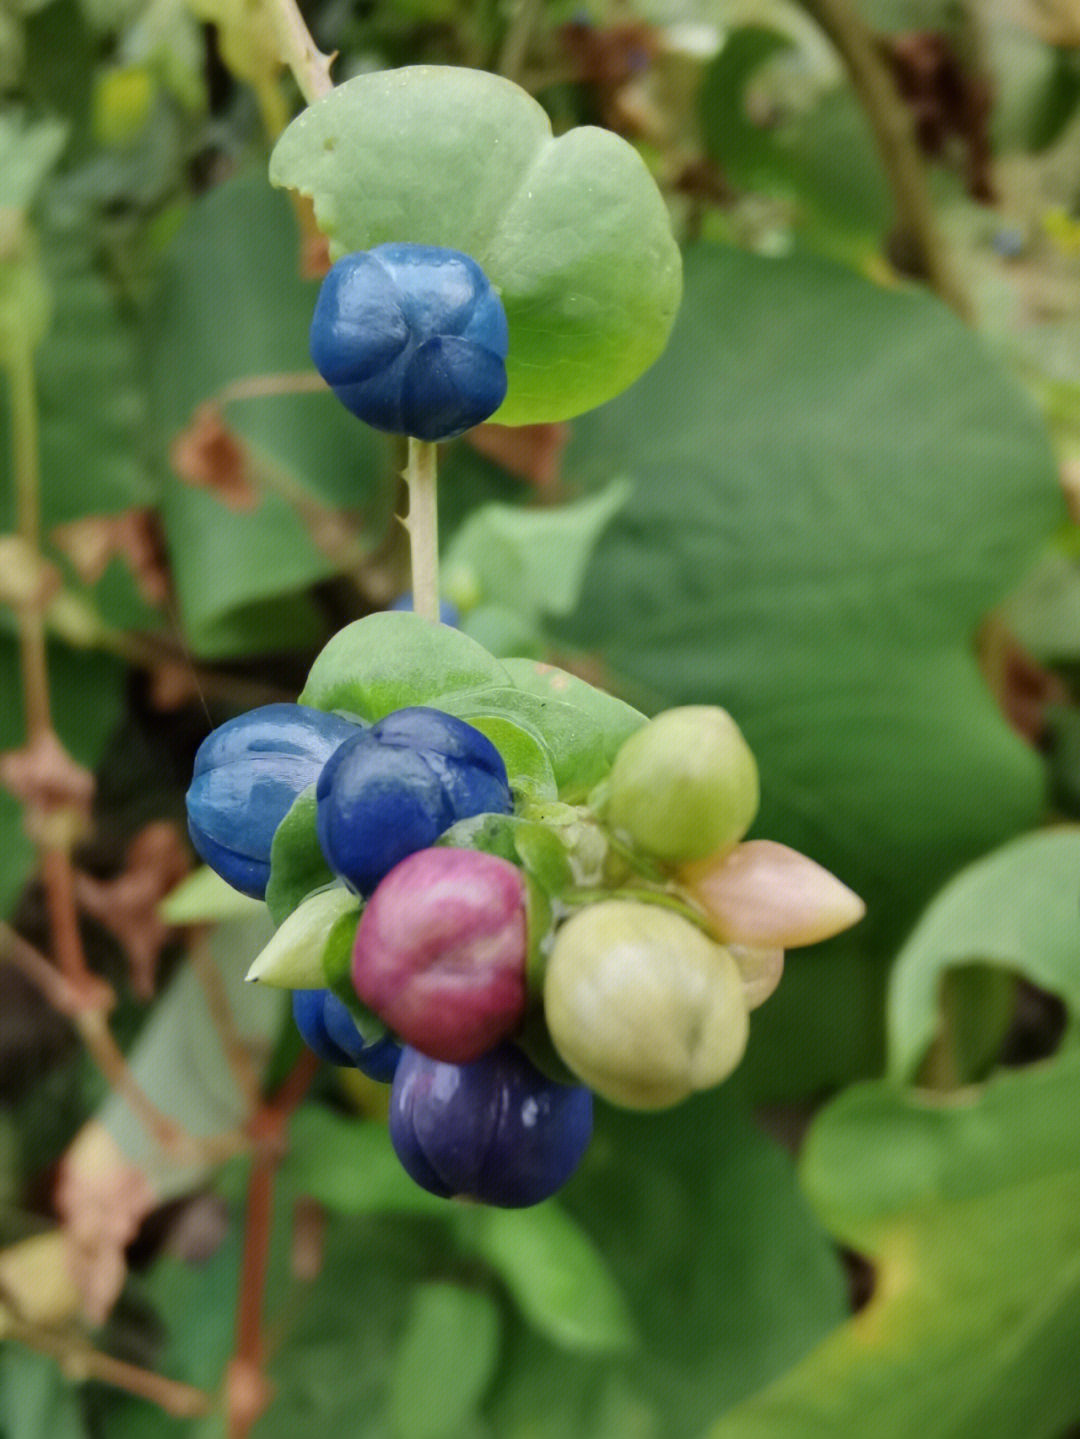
x=310, y=67
x=423, y=526
x=26, y=456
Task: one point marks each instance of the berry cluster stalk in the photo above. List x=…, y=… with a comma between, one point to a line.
x=423, y=526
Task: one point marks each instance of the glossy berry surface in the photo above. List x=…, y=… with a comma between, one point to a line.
x=395, y=788
x=327, y=1027
x=247, y=774
x=495, y=1130
x=310, y=1018
x=412, y=339
x=441, y=951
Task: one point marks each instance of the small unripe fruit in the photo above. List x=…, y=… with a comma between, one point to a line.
x=441, y=949
x=685, y=785
x=642, y=1006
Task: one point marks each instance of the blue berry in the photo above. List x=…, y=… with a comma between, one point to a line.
x=448, y=613
x=395, y=788
x=495, y=1130
x=309, y=1014
x=327, y=1027
x=247, y=774
x=412, y=339
x=377, y=1059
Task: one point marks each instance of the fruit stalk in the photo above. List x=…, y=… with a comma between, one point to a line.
x=423, y=527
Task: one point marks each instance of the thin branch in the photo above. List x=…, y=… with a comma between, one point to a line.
x=310, y=67
x=895, y=138
x=80, y=1361
x=519, y=33
x=247, y=1391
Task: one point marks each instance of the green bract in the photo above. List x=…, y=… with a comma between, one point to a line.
x=642, y=1006
x=572, y=232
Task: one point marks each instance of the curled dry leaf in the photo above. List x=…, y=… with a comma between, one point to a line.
x=102, y=1200
x=528, y=452
x=46, y=780
x=134, y=536
x=36, y=1286
x=767, y=896
x=157, y=859
x=26, y=580
x=210, y=456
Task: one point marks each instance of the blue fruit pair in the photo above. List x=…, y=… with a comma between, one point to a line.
x=495, y=1130
x=412, y=339
x=247, y=774
x=394, y=788
x=327, y=1027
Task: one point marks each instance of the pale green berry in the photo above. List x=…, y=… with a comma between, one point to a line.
x=642, y=1006
x=685, y=785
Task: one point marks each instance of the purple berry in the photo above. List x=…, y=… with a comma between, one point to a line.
x=494, y=1130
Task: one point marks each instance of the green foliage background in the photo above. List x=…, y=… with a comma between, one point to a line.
x=806, y=511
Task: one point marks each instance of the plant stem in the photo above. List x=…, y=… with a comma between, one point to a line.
x=519, y=32
x=310, y=67
x=894, y=135
x=79, y=1361
x=247, y=1392
x=423, y=526
x=26, y=456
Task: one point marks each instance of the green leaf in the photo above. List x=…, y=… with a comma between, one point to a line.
x=816, y=529
x=575, y=742
x=444, y=1363
x=572, y=232
x=350, y=1166
x=970, y=1211
x=240, y=573
x=616, y=719
x=503, y=631
x=205, y=897
x=28, y=152
x=297, y=864
x=36, y=1401
x=533, y=561
x=89, y=406
x=526, y=756
x=557, y=1276
x=733, y=140
x=1015, y=909
x=393, y=659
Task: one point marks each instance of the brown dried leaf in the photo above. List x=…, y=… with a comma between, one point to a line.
x=127, y=906
x=46, y=780
x=529, y=452
x=210, y=456
x=102, y=1200
x=135, y=536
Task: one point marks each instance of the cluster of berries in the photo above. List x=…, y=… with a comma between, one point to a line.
x=504, y=894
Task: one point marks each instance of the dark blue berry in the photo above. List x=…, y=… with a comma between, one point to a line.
x=412, y=339
x=495, y=1130
x=377, y=1059
x=247, y=774
x=310, y=1016
x=395, y=788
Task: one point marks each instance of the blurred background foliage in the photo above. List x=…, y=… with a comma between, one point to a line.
x=841, y=505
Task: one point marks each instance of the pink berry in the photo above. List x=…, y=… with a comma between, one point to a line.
x=441, y=950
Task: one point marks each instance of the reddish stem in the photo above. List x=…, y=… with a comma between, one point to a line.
x=247, y=1392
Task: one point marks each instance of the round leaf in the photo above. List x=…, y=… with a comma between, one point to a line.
x=572, y=231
